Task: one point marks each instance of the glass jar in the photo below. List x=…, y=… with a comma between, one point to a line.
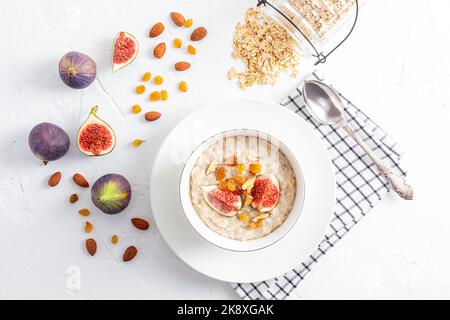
x=318, y=20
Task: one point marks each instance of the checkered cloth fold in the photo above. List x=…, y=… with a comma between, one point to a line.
x=359, y=187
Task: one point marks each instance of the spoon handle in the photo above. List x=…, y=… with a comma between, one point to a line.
x=397, y=182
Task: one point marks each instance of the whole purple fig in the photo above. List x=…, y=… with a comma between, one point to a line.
x=77, y=70
x=48, y=142
x=111, y=193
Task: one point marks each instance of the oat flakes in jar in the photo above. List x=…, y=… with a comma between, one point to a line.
x=315, y=25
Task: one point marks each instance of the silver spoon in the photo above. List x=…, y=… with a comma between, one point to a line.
x=326, y=106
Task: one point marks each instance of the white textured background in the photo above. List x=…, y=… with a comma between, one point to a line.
x=396, y=67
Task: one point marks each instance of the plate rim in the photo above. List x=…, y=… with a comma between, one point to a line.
x=206, y=107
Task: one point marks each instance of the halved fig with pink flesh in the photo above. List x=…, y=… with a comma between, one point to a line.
x=265, y=192
x=223, y=202
x=125, y=50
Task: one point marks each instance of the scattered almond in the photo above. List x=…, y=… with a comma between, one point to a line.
x=156, y=30
x=212, y=167
x=152, y=115
x=182, y=66
x=80, y=180
x=88, y=227
x=177, y=18
x=140, y=224
x=54, y=179
x=251, y=158
x=73, y=198
x=261, y=216
x=84, y=212
x=129, y=253
x=91, y=246
x=249, y=184
x=159, y=50
x=248, y=200
x=198, y=34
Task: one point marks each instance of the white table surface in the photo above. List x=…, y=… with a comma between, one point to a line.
x=396, y=67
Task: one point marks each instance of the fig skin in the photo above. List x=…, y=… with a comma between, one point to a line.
x=111, y=193
x=48, y=142
x=77, y=70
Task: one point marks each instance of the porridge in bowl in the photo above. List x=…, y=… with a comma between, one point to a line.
x=243, y=187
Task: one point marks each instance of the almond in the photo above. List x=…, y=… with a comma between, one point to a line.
x=159, y=50
x=177, y=18
x=182, y=66
x=91, y=246
x=198, y=34
x=140, y=224
x=80, y=180
x=156, y=30
x=248, y=185
x=129, y=253
x=212, y=167
x=152, y=115
x=54, y=179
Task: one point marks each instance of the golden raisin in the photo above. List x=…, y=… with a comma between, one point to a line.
x=146, y=76
x=232, y=184
x=220, y=173
x=255, y=168
x=183, y=86
x=191, y=50
x=73, y=198
x=154, y=96
x=158, y=80
x=88, y=227
x=243, y=217
x=177, y=43
x=255, y=224
x=164, y=95
x=84, y=212
x=137, y=142
x=136, y=109
x=140, y=89
x=240, y=168
x=114, y=239
x=223, y=185
x=239, y=179
x=188, y=23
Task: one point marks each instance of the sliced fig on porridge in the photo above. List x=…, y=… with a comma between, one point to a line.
x=265, y=192
x=223, y=201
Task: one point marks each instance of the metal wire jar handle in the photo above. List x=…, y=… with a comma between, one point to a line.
x=321, y=57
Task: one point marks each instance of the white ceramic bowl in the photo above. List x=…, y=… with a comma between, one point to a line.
x=237, y=245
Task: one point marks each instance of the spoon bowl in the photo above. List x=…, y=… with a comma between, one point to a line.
x=322, y=102
x=327, y=107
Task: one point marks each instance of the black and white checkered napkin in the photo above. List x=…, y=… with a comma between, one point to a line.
x=359, y=187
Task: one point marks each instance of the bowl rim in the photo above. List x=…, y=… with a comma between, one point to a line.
x=298, y=198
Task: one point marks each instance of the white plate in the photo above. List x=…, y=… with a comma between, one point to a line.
x=268, y=262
